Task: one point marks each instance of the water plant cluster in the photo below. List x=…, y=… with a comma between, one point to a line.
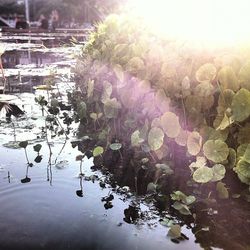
x=165, y=107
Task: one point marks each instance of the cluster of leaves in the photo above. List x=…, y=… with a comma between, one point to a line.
x=162, y=95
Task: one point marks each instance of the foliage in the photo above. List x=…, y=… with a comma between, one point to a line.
x=161, y=97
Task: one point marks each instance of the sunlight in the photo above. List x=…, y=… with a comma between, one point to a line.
x=213, y=22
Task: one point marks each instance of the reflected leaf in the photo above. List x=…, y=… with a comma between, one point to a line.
x=37, y=147
x=62, y=164
x=136, y=140
x=151, y=188
x=79, y=157
x=38, y=159
x=164, y=168
x=23, y=144
x=227, y=78
x=111, y=108
x=222, y=190
x=26, y=180
x=79, y=193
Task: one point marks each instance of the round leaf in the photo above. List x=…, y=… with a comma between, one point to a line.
x=98, y=151
x=203, y=175
x=170, y=124
x=206, y=72
x=216, y=150
x=194, y=142
x=241, y=105
x=23, y=144
x=219, y=172
x=155, y=138
x=37, y=147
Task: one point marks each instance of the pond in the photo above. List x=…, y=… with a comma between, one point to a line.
x=49, y=201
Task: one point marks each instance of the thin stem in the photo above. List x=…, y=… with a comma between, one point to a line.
x=26, y=155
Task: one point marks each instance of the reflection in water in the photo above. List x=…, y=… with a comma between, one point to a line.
x=79, y=192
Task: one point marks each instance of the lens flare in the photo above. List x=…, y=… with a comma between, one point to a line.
x=214, y=22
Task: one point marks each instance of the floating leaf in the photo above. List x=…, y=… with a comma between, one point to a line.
x=206, y=72
x=62, y=164
x=155, y=138
x=203, y=175
x=216, y=150
x=23, y=144
x=219, y=172
x=227, y=78
x=37, y=147
x=170, y=124
x=98, y=151
x=243, y=170
x=241, y=105
x=115, y=146
x=194, y=142
x=174, y=231
x=222, y=190
x=136, y=140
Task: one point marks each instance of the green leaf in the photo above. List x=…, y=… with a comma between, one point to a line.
x=222, y=190
x=174, y=231
x=136, y=141
x=170, y=124
x=219, y=172
x=231, y=158
x=37, y=147
x=155, y=138
x=164, y=168
x=115, y=146
x=98, y=151
x=182, y=208
x=151, y=188
x=206, y=72
x=227, y=78
x=194, y=142
x=203, y=175
x=244, y=76
x=81, y=110
x=241, y=105
x=23, y=144
x=216, y=150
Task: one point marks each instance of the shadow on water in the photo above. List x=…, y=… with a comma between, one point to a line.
x=53, y=196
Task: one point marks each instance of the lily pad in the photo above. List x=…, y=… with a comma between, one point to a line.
x=216, y=150
x=164, y=168
x=203, y=175
x=170, y=124
x=194, y=143
x=241, y=105
x=155, y=138
x=23, y=144
x=37, y=147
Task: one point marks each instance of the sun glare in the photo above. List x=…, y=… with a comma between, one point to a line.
x=214, y=22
